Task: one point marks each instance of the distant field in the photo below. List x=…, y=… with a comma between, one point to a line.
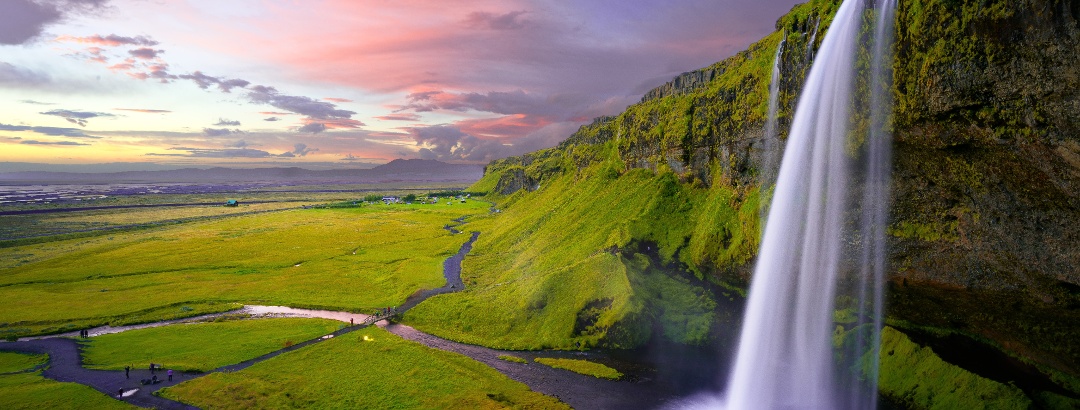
x=354, y=258
x=368, y=369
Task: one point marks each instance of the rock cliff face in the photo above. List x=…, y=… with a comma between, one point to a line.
x=985, y=232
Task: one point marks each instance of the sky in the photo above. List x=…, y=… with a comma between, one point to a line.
x=337, y=83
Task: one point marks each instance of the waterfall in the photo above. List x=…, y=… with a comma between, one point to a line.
x=875, y=200
x=786, y=357
x=813, y=38
x=771, y=139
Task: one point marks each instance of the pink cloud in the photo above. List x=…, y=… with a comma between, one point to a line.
x=508, y=126
x=337, y=100
x=399, y=117
x=111, y=40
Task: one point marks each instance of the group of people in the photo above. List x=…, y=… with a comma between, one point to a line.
x=152, y=380
x=84, y=333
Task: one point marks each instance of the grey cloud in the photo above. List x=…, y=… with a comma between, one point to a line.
x=145, y=53
x=20, y=77
x=492, y=21
x=447, y=142
x=228, y=123
x=114, y=40
x=76, y=117
x=205, y=81
x=297, y=104
x=35, y=142
x=228, y=85
x=299, y=150
x=24, y=20
x=239, y=144
x=560, y=106
x=219, y=132
x=272, y=119
x=35, y=102
x=314, y=128
x=50, y=131
x=217, y=153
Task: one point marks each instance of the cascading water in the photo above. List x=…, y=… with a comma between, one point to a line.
x=786, y=357
x=770, y=157
x=813, y=38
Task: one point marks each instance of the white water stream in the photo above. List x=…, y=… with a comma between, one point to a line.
x=786, y=357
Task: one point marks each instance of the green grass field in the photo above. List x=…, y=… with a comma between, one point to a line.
x=31, y=391
x=370, y=368
x=201, y=346
x=355, y=259
x=581, y=366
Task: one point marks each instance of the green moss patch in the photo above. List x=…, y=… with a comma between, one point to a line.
x=581, y=366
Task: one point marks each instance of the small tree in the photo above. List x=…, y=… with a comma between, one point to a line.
x=409, y=198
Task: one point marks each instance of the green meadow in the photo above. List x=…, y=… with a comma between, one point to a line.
x=370, y=368
x=354, y=258
x=581, y=366
x=20, y=389
x=201, y=346
x=567, y=266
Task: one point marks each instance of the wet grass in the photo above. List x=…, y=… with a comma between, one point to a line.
x=201, y=346
x=370, y=368
x=31, y=391
x=582, y=367
x=354, y=259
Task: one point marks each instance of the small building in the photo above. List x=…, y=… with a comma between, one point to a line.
x=232, y=202
x=390, y=200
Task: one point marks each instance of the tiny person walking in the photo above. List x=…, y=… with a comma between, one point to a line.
x=127, y=372
x=170, y=375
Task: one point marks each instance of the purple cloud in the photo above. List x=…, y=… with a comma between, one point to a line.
x=76, y=117
x=492, y=21
x=299, y=150
x=24, y=20
x=37, y=142
x=11, y=75
x=227, y=123
x=145, y=53
x=314, y=127
x=219, y=132
x=111, y=40
x=205, y=81
x=297, y=104
x=217, y=153
x=50, y=131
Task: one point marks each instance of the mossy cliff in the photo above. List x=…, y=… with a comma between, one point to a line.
x=638, y=222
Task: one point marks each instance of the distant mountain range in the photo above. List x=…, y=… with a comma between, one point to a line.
x=413, y=170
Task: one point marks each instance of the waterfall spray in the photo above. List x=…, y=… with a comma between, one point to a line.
x=786, y=355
